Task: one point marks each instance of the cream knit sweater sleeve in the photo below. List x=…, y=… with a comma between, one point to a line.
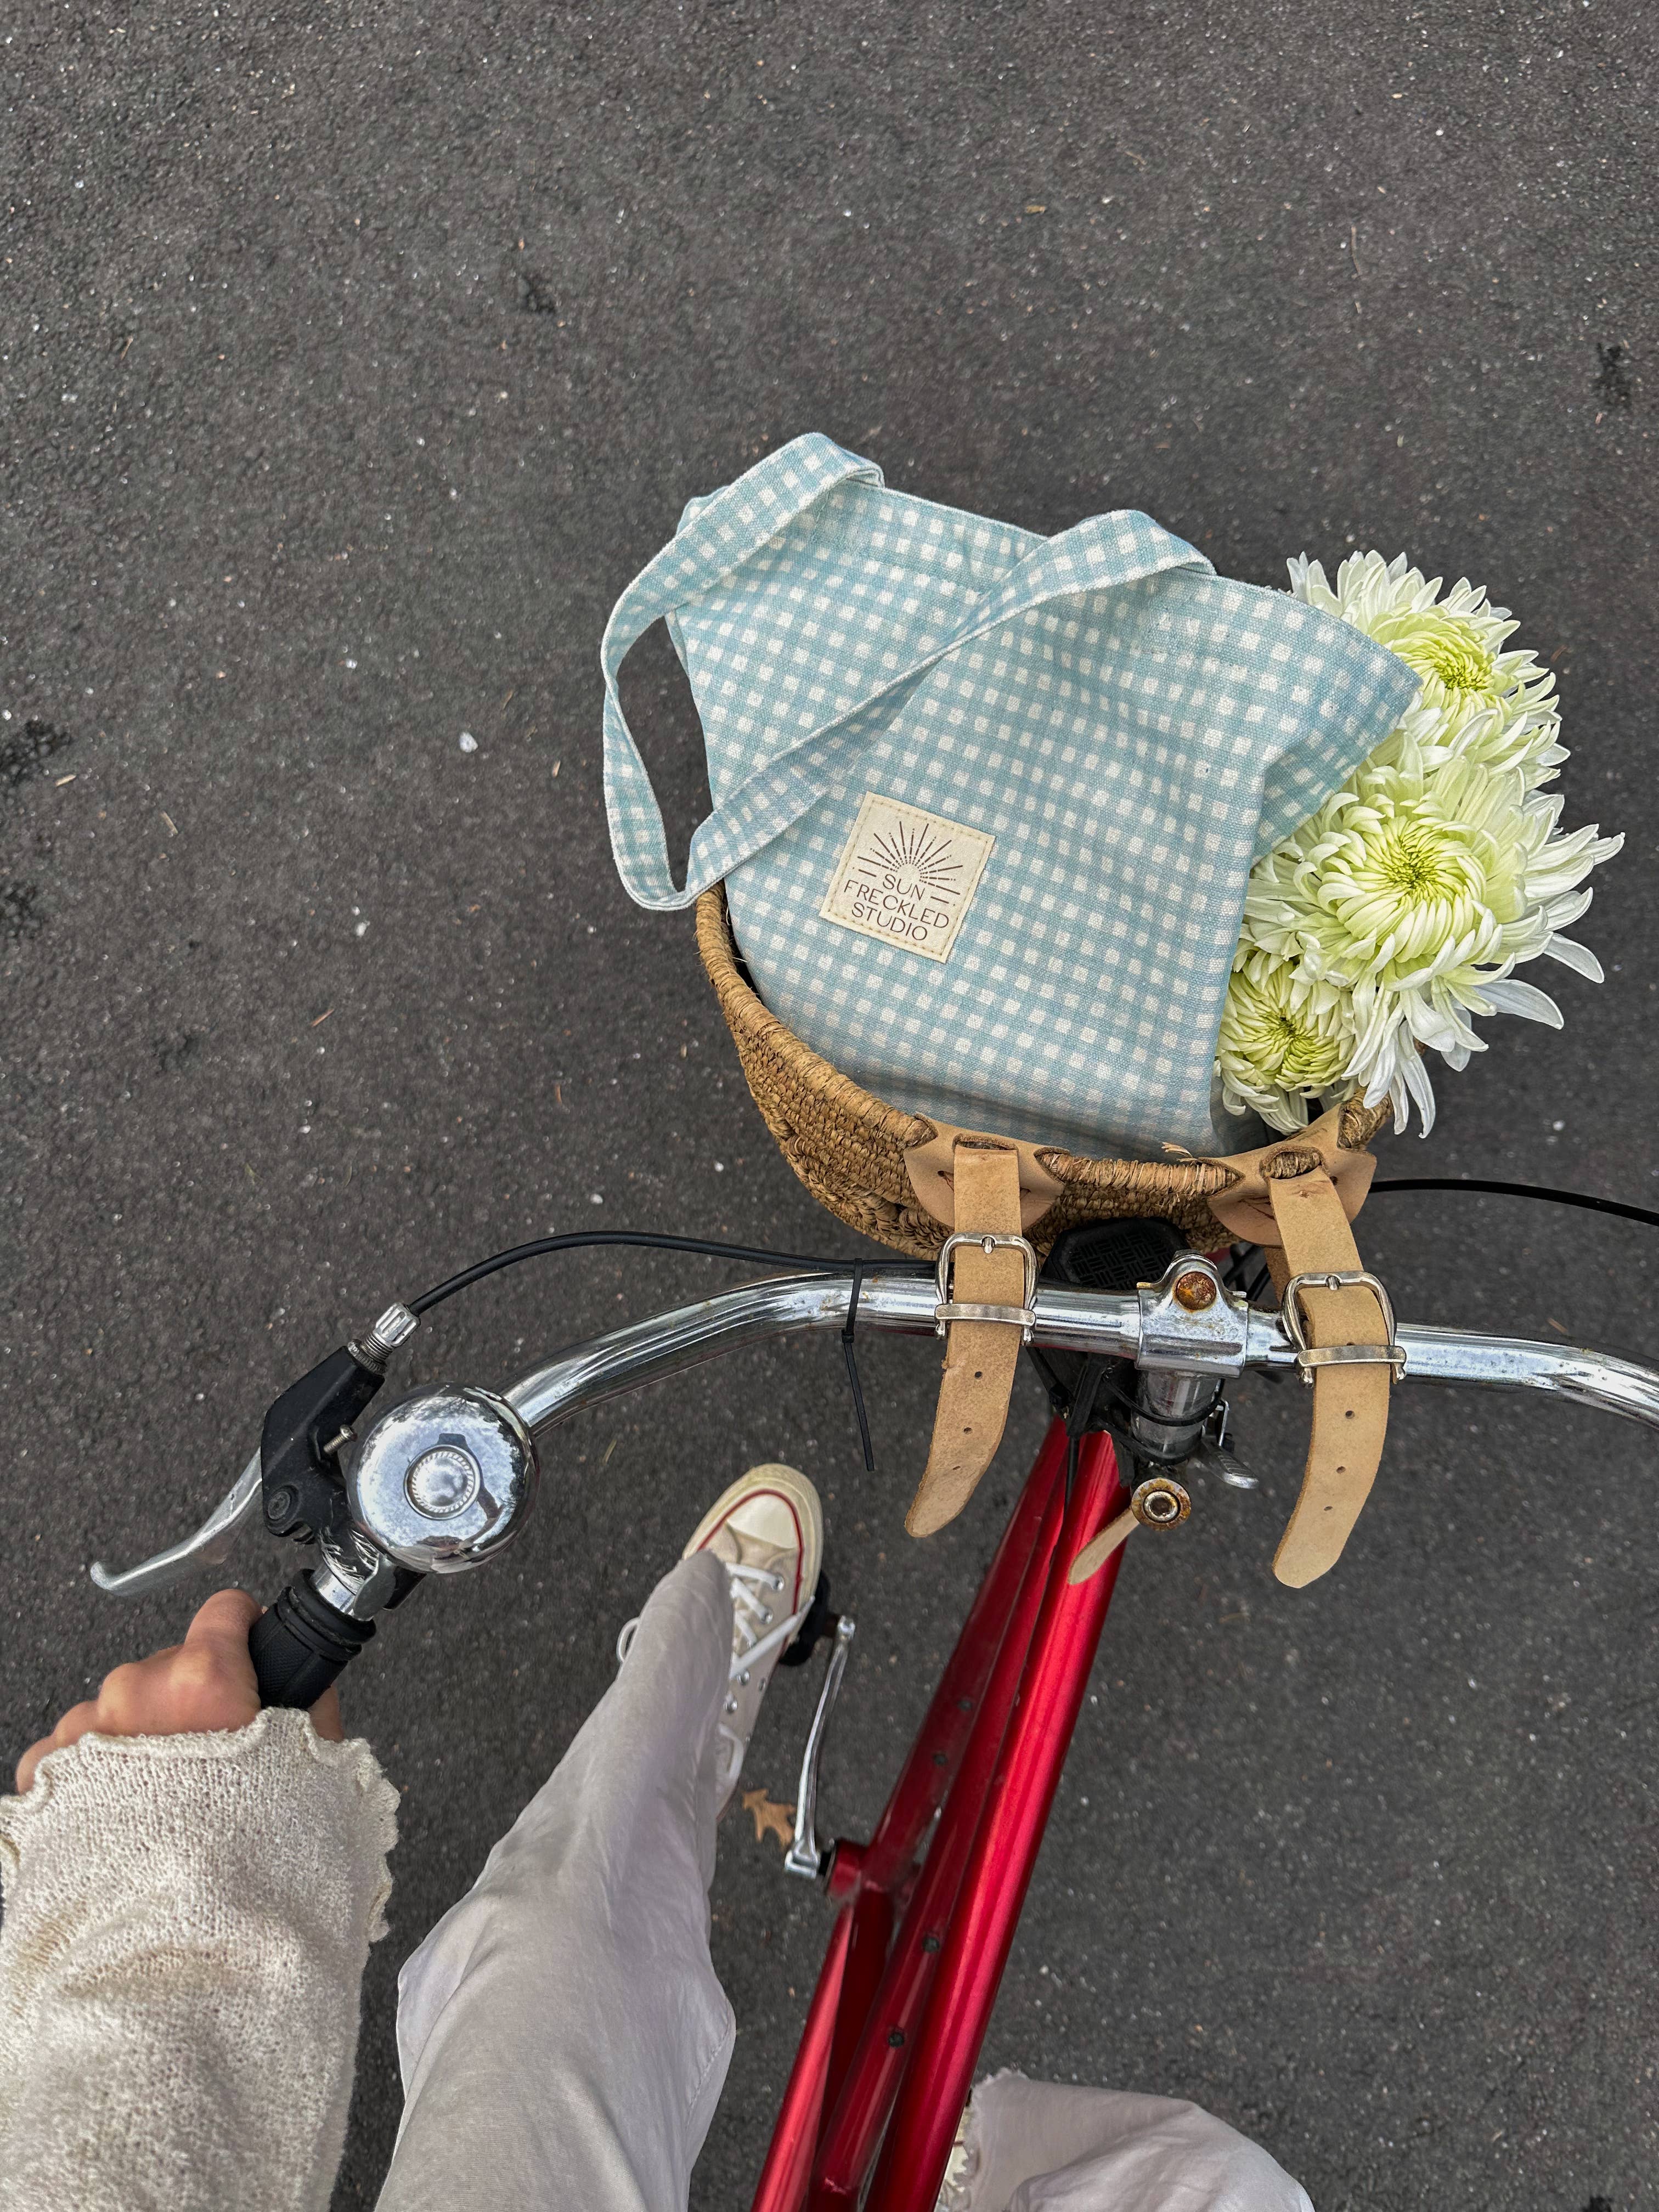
x=187, y=1920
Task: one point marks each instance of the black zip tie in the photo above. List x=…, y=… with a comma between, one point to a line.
x=1079, y=1413
x=1080, y=1410
x=849, y=1331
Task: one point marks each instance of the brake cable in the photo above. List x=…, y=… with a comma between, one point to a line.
x=1520, y=1190
x=707, y=1248
x=815, y=1264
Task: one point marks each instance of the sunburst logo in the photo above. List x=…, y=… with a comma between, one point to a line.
x=905, y=876
x=917, y=861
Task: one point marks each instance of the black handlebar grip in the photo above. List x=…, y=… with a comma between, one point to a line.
x=302, y=1644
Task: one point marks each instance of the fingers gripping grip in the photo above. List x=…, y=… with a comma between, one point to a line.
x=301, y=1645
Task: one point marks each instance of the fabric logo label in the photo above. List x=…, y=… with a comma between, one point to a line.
x=906, y=876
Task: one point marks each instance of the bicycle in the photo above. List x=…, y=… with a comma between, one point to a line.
x=1137, y=1340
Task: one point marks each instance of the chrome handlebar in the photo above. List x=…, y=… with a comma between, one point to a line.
x=1074, y=1320
x=1150, y=1329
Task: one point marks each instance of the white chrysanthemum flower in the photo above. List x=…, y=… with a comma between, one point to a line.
x=1528, y=741
x=1495, y=706
x=1284, y=1039
x=1415, y=892
x=1455, y=644
x=1402, y=910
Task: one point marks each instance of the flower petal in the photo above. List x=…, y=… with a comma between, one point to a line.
x=1579, y=957
x=1518, y=997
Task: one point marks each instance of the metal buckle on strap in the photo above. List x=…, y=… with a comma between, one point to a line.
x=1390, y=1354
x=947, y=1310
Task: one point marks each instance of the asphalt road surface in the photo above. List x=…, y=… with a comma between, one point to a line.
x=352, y=368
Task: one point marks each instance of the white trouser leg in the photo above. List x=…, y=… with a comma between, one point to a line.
x=563, y=2036
x=1045, y=2147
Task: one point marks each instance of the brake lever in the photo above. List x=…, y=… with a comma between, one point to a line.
x=292, y=1478
x=209, y=1547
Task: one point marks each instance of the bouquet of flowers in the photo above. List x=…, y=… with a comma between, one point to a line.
x=1403, y=908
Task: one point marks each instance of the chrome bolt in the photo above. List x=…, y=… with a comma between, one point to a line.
x=1160, y=1502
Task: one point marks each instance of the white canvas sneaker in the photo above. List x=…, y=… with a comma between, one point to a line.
x=767, y=1530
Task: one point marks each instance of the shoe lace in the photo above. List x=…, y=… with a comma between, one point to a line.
x=759, y=1633
x=756, y=1632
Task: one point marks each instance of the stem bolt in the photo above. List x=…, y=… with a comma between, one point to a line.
x=1160, y=1502
x=1195, y=1290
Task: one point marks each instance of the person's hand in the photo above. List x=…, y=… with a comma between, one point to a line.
x=205, y=1683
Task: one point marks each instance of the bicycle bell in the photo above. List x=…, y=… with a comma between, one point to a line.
x=444, y=1479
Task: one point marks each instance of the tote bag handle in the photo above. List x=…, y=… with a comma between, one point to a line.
x=716, y=541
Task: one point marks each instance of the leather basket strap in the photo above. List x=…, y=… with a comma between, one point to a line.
x=1245, y=1208
x=1351, y=1402
x=979, y=1356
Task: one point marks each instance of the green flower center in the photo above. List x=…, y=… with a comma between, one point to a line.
x=1300, y=1054
x=1420, y=868
x=1296, y=1053
x=1452, y=652
x=1283, y=1036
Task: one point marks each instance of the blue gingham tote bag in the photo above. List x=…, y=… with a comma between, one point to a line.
x=984, y=803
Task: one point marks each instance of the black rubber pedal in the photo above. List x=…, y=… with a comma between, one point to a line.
x=819, y=1622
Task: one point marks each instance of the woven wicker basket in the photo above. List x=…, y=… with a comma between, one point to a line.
x=849, y=1148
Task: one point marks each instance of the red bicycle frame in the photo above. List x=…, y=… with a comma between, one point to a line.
x=917, y=1952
